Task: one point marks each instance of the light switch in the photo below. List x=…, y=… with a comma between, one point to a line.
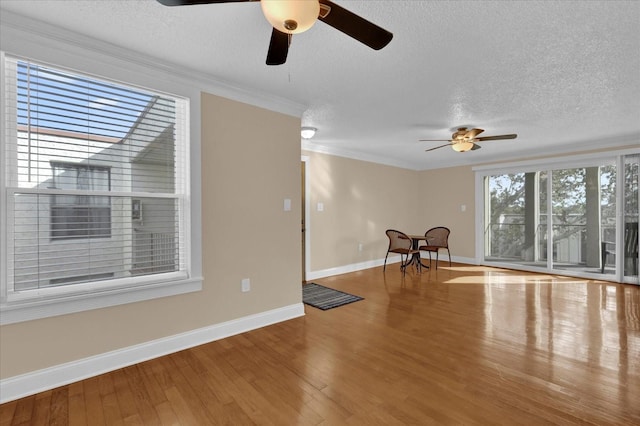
x=287, y=204
x=246, y=285
x=463, y=208
x=320, y=207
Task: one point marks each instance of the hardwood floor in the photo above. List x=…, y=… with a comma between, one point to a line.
x=462, y=345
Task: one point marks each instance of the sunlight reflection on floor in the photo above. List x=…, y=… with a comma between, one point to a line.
x=481, y=275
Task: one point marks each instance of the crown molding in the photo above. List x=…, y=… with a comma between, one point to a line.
x=18, y=30
x=356, y=155
x=589, y=150
x=563, y=149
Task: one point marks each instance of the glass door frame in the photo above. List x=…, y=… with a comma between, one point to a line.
x=549, y=165
x=621, y=214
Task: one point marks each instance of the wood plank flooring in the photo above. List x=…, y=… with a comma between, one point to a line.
x=464, y=345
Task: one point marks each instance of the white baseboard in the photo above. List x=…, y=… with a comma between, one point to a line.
x=465, y=260
x=23, y=385
x=351, y=268
x=323, y=273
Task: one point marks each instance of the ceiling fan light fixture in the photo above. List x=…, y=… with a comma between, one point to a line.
x=462, y=146
x=308, y=132
x=291, y=16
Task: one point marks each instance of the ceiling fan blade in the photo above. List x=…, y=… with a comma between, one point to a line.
x=190, y=2
x=499, y=137
x=475, y=146
x=437, y=147
x=473, y=133
x=355, y=26
x=278, y=48
x=434, y=140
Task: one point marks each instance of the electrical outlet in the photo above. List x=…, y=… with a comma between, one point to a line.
x=359, y=246
x=246, y=285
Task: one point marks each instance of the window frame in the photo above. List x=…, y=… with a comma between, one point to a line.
x=47, y=302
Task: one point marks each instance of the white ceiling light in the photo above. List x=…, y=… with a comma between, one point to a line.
x=291, y=16
x=462, y=146
x=308, y=132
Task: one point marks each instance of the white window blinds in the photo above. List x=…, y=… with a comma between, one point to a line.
x=96, y=180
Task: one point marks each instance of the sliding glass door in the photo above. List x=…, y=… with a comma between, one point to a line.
x=583, y=213
x=512, y=219
x=631, y=213
x=564, y=218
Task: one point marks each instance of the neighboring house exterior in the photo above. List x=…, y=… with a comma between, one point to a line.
x=64, y=235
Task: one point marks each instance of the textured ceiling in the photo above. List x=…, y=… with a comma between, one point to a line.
x=562, y=75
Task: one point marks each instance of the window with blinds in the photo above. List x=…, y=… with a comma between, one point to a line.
x=95, y=181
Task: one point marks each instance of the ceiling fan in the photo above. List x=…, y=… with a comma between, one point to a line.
x=290, y=17
x=466, y=140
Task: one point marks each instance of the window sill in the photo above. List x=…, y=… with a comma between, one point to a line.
x=15, y=311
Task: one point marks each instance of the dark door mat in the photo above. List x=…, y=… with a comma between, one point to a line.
x=324, y=298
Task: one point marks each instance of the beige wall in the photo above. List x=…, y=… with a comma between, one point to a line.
x=443, y=192
x=250, y=163
x=361, y=200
